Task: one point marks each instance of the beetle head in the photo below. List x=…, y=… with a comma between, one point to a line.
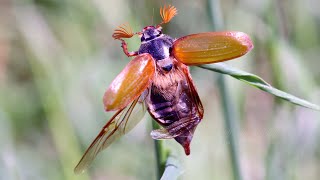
x=150, y=32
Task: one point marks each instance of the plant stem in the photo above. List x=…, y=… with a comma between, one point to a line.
x=47, y=83
x=231, y=129
x=160, y=153
x=173, y=169
x=228, y=108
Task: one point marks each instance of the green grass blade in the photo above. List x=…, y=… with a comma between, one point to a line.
x=258, y=82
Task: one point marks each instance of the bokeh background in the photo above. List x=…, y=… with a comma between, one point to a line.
x=58, y=57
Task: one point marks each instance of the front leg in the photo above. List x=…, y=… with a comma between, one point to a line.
x=125, y=49
x=125, y=31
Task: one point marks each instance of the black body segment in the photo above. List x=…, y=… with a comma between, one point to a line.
x=159, y=47
x=171, y=102
x=172, y=98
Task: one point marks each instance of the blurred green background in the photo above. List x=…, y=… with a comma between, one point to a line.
x=58, y=57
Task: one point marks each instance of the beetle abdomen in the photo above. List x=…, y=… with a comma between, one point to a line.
x=170, y=99
x=174, y=105
x=167, y=111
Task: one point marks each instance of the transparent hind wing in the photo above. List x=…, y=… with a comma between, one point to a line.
x=121, y=123
x=176, y=129
x=161, y=133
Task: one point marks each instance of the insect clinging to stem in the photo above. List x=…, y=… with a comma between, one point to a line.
x=157, y=80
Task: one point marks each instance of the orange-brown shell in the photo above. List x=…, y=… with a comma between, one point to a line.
x=130, y=83
x=211, y=47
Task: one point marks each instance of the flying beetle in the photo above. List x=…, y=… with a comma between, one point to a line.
x=158, y=80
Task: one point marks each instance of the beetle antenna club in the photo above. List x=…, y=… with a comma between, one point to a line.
x=167, y=13
x=123, y=31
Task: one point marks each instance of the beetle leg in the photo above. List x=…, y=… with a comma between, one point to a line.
x=125, y=49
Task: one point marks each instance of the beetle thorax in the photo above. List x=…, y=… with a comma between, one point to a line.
x=158, y=45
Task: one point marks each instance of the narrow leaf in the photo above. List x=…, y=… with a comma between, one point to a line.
x=258, y=82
